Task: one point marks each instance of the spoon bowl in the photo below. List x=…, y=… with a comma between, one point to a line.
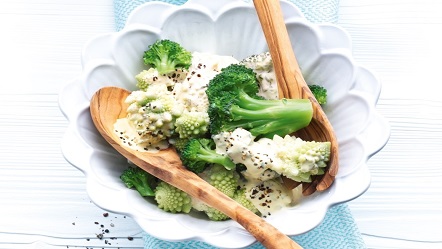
x=107, y=105
x=291, y=84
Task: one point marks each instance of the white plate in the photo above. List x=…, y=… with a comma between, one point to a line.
x=227, y=28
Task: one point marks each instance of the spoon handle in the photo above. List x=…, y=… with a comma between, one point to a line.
x=173, y=172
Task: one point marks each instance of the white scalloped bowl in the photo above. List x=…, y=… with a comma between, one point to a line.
x=226, y=28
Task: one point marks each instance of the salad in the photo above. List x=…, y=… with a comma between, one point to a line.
x=226, y=121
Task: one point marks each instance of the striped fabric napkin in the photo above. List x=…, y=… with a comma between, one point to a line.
x=338, y=230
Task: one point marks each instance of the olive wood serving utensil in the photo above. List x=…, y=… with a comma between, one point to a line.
x=291, y=84
x=107, y=105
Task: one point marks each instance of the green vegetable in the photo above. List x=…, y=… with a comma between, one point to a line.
x=222, y=179
x=199, y=153
x=299, y=159
x=192, y=124
x=172, y=199
x=167, y=56
x=320, y=93
x=241, y=197
x=179, y=143
x=234, y=103
x=151, y=76
x=226, y=181
x=153, y=113
x=143, y=182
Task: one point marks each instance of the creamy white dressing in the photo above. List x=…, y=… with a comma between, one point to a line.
x=268, y=196
x=262, y=65
x=240, y=146
x=130, y=138
x=191, y=90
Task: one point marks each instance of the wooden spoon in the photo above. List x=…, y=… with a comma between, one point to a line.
x=291, y=84
x=107, y=105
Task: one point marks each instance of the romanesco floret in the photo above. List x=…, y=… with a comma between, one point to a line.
x=268, y=158
x=215, y=214
x=224, y=180
x=299, y=159
x=172, y=199
x=192, y=124
x=212, y=213
x=151, y=76
x=152, y=113
x=241, y=197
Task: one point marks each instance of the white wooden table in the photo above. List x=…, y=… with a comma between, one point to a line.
x=43, y=203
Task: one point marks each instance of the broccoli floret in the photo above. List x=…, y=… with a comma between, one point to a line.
x=143, y=182
x=153, y=113
x=192, y=124
x=179, y=143
x=199, y=153
x=234, y=103
x=300, y=159
x=167, y=56
x=172, y=199
x=320, y=93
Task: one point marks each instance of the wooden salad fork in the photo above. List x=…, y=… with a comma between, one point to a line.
x=291, y=84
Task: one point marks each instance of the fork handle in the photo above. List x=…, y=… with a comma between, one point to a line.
x=286, y=66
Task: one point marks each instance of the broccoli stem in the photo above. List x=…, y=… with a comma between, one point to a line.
x=212, y=157
x=270, y=117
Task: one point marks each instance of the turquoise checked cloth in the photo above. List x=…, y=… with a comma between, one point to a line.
x=338, y=230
